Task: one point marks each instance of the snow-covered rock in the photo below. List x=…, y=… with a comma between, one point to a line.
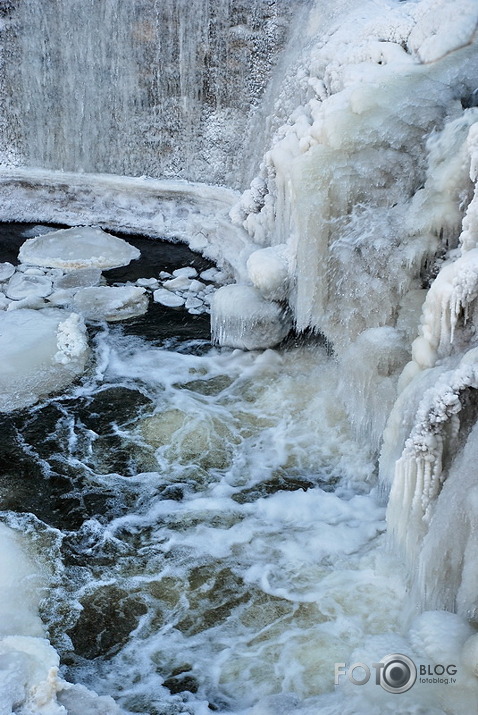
x=111, y=302
x=82, y=247
x=241, y=318
x=42, y=352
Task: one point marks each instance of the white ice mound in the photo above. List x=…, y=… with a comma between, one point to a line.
x=82, y=247
x=268, y=269
x=42, y=352
x=111, y=302
x=241, y=318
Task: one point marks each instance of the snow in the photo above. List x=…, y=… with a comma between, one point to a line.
x=111, y=303
x=82, y=247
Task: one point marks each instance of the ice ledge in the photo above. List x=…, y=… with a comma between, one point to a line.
x=197, y=214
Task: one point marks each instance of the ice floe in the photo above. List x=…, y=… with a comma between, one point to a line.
x=81, y=247
x=42, y=351
x=111, y=303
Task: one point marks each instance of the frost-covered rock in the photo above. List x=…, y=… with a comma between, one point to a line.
x=25, y=286
x=241, y=318
x=42, y=352
x=269, y=271
x=110, y=302
x=167, y=298
x=82, y=247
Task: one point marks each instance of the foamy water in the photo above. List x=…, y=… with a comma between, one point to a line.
x=233, y=549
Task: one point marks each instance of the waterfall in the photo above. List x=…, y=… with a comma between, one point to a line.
x=157, y=88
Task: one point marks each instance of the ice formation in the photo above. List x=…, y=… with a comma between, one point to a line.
x=83, y=247
x=241, y=318
x=42, y=351
x=111, y=302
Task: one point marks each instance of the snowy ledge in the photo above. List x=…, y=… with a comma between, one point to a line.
x=196, y=214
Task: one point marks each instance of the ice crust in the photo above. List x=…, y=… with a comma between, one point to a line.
x=82, y=247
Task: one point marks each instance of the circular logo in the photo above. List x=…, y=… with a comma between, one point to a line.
x=398, y=674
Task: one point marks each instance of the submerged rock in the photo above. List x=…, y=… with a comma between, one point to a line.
x=42, y=352
x=81, y=247
x=241, y=318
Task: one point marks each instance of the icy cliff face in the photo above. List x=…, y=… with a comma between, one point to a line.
x=369, y=189
x=366, y=184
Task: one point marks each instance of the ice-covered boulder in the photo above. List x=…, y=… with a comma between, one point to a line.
x=111, y=302
x=42, y=352
x=81, y=247
x=241, y=318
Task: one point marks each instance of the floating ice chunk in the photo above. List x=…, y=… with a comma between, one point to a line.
x=32, y=271
x=110, y=302
x=186, y=272
x=4, y=301
x=178, y=283
x=80, y=278
x=241, y=318
x=6, y=271
x=268, y=269
x=61, y=297
x=25, y=286
x=167, y=298
x=82, y=247
x=209, y=274
x=147, y=283
x=196, y=286
x=31, y=301
x=164, y=274
x=42, y=352
x=193, y=302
